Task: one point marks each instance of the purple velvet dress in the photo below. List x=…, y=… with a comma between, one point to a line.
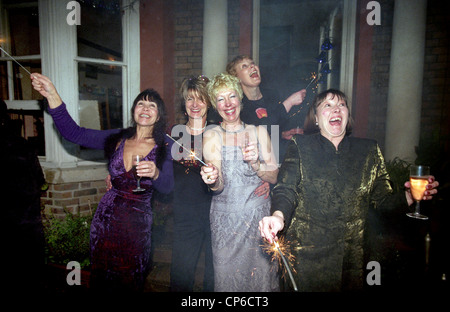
x=121, y=228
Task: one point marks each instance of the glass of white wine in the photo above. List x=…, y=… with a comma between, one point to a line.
x=418, y=177
x=135, y=160
x=248, y=171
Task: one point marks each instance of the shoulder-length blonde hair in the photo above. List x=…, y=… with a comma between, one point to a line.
x=310, y=126
x=223, y=81
x=196, y=86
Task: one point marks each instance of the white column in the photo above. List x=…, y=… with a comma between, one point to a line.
x=58, y=51
x=348, y=48
x=131, y=74
x=405, y=79
x=215, y=37
x=255, y=30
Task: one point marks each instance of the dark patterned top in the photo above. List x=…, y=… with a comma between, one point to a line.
x=325, y=195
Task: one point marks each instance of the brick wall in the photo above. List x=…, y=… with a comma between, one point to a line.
x=233, y=28
x=188, y=44
x=73, y=189
x=436, y=83
x=189, y=41
x=73, y=197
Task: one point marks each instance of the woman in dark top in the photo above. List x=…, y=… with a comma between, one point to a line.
x=121, y=228
x=263, y=107
x=327, y=183
x=191, y=197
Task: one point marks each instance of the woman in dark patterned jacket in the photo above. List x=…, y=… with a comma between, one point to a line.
x=327, y=184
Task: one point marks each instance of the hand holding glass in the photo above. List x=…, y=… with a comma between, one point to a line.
x=418, y=177
x=249, y=171
x=135, y=161
x=245, y=144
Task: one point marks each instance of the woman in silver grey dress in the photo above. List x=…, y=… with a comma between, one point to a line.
x=239, y=158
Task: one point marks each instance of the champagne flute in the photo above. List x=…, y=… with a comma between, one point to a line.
x=135, y=161
x=418, y=177
x=249, y=171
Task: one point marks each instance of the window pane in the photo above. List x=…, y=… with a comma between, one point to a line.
x=296, y=52
x=21, y=39
x=290, y=46
x=20, y=79
x=100, y=32
x=100, y=99
x=24, y=28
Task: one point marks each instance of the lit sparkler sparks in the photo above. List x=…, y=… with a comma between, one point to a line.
x=280, y=251
x=7, y=54
x=313, y=78
x=191, y=153
x=286, y=265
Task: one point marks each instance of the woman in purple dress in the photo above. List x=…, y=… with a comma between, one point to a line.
x=121, y=228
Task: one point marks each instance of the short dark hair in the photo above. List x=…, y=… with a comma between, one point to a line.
x=310, y=121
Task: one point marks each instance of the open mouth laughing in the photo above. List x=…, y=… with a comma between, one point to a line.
x=336, y=121
x=254, y=74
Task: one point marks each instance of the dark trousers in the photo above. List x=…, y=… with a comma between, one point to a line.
x=191, y=234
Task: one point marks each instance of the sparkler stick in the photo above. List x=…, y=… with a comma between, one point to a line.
x=312, y=80
x=16, y=61
x=315, y=77
x=191, y=153
x=286, y=265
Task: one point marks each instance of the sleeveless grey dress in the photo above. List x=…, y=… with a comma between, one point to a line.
x=240, y=265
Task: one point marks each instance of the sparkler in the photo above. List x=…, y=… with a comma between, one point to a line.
x=314, y=77
x=286, y=265
x=277, y=249
x=7, y=54
x=191, y=153
x=322, y=70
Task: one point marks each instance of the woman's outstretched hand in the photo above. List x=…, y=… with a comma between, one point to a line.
x=45, y=87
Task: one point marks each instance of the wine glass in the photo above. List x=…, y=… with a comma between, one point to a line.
x=135, y=160
x=418, y=177
x=249, y=171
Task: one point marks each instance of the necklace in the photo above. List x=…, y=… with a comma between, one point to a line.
x=197, y=129
x=235, y=131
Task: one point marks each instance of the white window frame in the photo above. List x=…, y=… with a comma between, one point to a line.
x=60, y=63
x=11, y=102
